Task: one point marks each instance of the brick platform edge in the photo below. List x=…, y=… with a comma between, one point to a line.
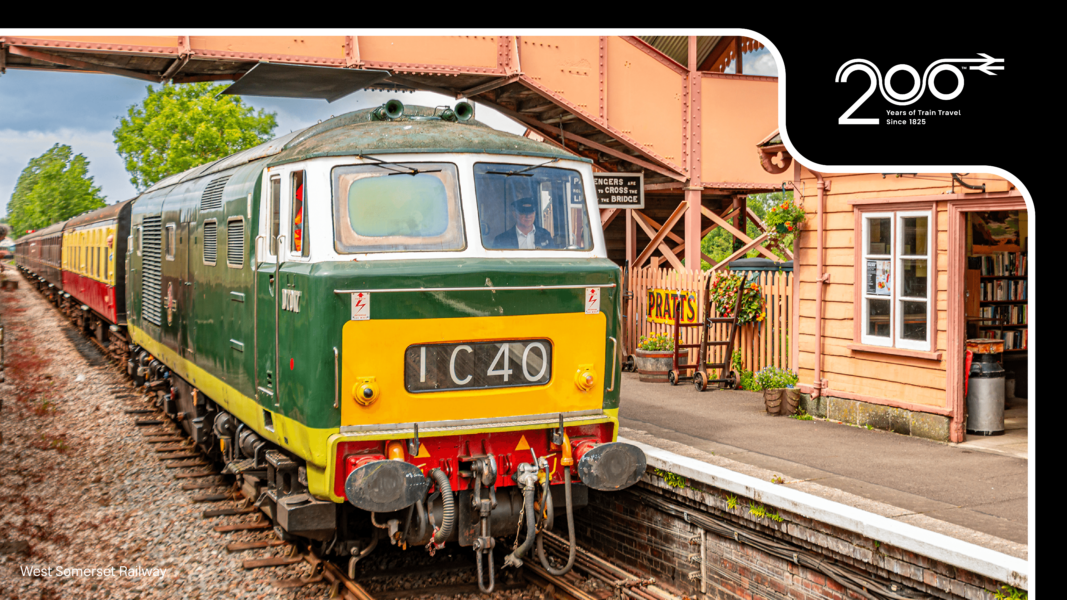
x=633, y=533
x=889, y=418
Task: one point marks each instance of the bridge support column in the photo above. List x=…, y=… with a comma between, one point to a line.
x=696, y=185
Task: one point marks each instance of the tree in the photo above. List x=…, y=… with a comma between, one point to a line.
x=719, y=243
x=54, y=187
x=178, y=127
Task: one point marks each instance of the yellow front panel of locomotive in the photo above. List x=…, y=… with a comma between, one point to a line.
x=375, y=348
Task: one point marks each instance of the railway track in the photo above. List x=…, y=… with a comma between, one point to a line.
x=293, y=565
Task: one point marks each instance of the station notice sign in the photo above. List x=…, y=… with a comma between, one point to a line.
x=620, y=190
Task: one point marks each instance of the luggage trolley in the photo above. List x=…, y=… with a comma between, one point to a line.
x=700, y=375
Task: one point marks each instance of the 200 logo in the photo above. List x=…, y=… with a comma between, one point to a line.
x=919, y=84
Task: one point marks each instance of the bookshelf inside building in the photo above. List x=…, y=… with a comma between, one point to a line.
x=996, y=277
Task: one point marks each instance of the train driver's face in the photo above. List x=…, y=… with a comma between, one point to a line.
x=524, y=221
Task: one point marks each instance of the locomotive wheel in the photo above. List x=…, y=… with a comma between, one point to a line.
x=630, y=364
x=700, y=381
x=672, y=377
x=731, y=380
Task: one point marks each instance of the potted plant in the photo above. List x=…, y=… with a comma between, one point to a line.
x=655, y=357
x=783, y=219
x=779, y=394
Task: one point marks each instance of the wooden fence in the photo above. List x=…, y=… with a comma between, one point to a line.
x=761, y=344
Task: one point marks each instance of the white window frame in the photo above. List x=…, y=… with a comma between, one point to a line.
x=896, y=321
x=931, y=280
x=875, y=340
x=266, y=213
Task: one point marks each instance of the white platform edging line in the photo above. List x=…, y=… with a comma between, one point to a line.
x=996, y=565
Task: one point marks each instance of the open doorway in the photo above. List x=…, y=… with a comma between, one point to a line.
x=989, y=267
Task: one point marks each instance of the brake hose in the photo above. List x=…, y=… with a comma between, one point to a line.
x=448, y=515
x=570, y=531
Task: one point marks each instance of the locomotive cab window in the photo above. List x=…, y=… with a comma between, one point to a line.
x=397, y=208
x=275, y=213
x=531, y=208
x=298, y=237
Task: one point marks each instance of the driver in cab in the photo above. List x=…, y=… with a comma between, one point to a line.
x=525, y=235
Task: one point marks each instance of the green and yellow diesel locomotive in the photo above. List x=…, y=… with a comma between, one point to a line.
x=398, y=324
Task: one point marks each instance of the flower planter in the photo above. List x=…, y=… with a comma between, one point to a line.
x=790, y=401
x=772, y=400
x=653, y=365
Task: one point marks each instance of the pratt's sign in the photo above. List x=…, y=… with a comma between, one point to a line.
x=661, y=306
x=620, y=190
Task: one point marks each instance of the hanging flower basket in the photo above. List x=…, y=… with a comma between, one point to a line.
x=784, y=218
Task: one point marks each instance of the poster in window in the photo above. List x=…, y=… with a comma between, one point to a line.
x=878, y=278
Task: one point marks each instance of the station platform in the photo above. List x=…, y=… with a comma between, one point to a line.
x=957, y=490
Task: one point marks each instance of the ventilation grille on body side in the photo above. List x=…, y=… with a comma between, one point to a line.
x=211, y=242
x=212, y=198
x=151, y=267
x=235, y=237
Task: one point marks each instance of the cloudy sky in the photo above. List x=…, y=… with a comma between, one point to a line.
x=38, y=110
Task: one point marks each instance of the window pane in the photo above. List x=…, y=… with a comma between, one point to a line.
x=298, y=235
x=879, y=238
x=913, y=278
x=914, y=325
x=275, y=219
x=523, y=208
x=384, y=209
x=878, y=318
x=915, y=233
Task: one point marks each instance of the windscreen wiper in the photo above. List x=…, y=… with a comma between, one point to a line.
x=410, y=170
x=521, y=172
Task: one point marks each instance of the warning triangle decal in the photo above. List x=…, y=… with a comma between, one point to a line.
x=423, y=452
x=522, y=445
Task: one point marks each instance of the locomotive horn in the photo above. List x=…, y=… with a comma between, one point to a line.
x=464, y=111
x=393, y=109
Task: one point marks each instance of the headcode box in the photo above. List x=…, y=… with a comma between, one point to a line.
x=620, y=190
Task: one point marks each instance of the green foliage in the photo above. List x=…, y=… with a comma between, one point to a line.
x=1007, y=592
x=777, y=479
x=178, y=127
x=801, y=415
x=731, y=502
x=784, y=218
x=55, y=186
x=771, y=377
x=724, y=295
x=718, y=244
x=747, y=381
x=661, y=341
x=762, y=513
x=672, y=479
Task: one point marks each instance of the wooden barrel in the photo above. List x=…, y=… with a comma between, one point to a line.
x=653, y=365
